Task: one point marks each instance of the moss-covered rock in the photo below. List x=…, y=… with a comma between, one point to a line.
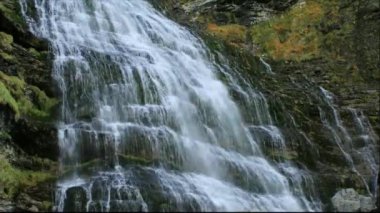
x=9, y=9
x=24, y=99
x=6, y=40
x=25, y=181
x=27, y=104
x=14, y=180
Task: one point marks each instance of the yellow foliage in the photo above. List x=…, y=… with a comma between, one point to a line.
x=233, y=34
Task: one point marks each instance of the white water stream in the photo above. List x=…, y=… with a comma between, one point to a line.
x=138, y=87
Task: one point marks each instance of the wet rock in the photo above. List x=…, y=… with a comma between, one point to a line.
x=76, y=199
x=282, y=5
x=366, y=204
x=33, y=209
x=6, y=206
x=348, y=200
x=224, y=12
x=26, y=203
x=36, y=138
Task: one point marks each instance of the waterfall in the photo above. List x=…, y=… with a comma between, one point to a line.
x=146, y=125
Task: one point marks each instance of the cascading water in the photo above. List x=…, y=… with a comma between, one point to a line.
x=146, y=124
x=364, y=153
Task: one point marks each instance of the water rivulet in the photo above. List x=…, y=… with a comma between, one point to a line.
x=147, y=125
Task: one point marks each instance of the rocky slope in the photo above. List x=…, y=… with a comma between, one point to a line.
x=28, y=144
x=309, y=44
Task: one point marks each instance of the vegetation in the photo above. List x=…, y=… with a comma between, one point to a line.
x=13, y=180
x=24, y=99
x=6, y=40
x=233, y=34
x=8, y=8
x=291, y=35
x=311, y=29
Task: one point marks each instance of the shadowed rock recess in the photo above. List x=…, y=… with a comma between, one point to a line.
x=189, y=105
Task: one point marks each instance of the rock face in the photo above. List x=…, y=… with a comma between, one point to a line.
x=28, y=143
x=26, y=99
x=348, y=200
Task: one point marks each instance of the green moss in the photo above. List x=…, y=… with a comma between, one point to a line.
x=6, y=40
x=8, y=57
x=34, y=52
x=130, y=159
x=82, y=169
x=40, y=55
x=7, y=99
x=283, y=154
x=13, y=180
x=43, y=104
x=25, y=100
x=11, y=10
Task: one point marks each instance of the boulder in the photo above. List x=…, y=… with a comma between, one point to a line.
x=348, y=200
